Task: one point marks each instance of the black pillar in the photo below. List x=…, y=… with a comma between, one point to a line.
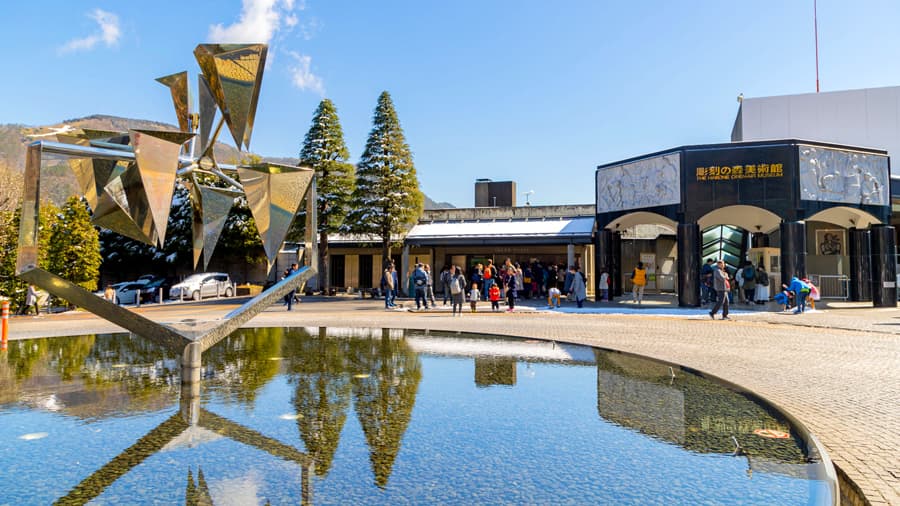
x=603, y=258
x=884, y=266
x=793, y=251
x=689, y=261
x=860, y=266
x=615, y=274
x=759, y=240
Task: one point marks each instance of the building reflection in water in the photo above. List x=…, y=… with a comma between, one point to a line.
x=702, y=416
x=377, y=373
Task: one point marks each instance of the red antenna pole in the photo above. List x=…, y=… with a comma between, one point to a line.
x=816, y=31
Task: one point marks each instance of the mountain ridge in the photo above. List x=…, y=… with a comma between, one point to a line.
x=15, y=137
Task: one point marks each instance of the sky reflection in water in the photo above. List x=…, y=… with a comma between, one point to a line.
x=382, y=416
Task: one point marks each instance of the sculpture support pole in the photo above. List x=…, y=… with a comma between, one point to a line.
x=311, y=244
x=31, y=204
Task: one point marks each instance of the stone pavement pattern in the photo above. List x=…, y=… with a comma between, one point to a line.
x=836, y=370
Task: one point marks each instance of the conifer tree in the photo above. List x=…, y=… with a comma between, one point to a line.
x=74, y=247
x=324, y=151
x=387, y=200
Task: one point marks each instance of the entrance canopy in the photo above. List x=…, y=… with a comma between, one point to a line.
x=749, y=218
x=576, y=230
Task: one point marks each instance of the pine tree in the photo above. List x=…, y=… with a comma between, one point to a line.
x=74, y=249
x=387, y=197
x=324, y=151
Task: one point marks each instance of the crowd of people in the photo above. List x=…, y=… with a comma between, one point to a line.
x=749, y=284
x=486, y=282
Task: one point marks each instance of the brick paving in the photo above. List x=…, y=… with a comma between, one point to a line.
x=836, y=369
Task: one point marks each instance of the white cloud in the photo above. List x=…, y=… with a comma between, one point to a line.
x=109, y=33
x=265, y=21
x=302, y=76
x=258, y=22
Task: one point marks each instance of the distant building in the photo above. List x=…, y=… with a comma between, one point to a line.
x=495, y=193
x=867, y=117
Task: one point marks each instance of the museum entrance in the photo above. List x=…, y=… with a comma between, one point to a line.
x=802, y=209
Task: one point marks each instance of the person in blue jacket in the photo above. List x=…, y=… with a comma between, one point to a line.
x=801, y=291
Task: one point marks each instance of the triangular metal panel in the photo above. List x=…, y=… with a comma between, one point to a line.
x=112, y=212
x=274, y=193
x=216, y=206
x=207, y=112
x=83, y=169
x=156, y=153
x=196, y=220
x=181, y=98
x=234, y=73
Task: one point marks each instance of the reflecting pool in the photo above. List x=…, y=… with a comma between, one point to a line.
x=360, y=416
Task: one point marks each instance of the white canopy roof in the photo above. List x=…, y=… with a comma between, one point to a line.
x=576, y=230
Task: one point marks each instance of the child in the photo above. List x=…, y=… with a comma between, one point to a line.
x=494, y=294
x=474, y=295
x=553, y=297
x=813, y=294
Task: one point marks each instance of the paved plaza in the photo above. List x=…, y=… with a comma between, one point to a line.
x=837, y=369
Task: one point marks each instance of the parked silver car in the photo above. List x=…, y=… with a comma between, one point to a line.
x=210, y=284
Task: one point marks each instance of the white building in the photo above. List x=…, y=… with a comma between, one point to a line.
x=867, y=117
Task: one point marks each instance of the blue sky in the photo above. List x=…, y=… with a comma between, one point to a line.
x=536, y=92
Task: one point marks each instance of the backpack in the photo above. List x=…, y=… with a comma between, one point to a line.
x=749, y=273
x=488, y=273
x=454, y=286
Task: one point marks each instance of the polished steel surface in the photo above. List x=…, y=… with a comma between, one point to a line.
x=129, y=320
x=157, y=162
x=196, y=219
x=233, y=320
x=216, y=204
x=207, y=112
x=113, y=209
x=274, y=193
x=27, y=254
x=129, y=179
x=83, y=168
x=234, y=73
x=181, y=98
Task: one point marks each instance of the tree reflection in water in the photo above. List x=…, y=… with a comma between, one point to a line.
x=319, y=370
x=385, y=381
x=382, y=374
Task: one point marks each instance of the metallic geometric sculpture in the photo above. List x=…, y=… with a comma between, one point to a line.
x=216, y=202
x=129, y=179
x=157, y=162
x=181, y=97
x=207, y=112
x=274, y=193
x=234, y=74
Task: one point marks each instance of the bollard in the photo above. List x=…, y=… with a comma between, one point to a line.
x=160, y=295
x=4, y=314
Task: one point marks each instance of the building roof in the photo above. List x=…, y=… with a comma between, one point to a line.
x=577, y=230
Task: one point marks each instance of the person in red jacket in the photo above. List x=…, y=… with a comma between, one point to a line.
x=494, y=294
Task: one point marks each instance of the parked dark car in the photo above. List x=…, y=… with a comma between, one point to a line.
x=150, y=291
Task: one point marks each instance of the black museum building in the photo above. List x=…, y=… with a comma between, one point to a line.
x=798, y=207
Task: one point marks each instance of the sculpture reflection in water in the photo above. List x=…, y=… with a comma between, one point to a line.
x=129, y=178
